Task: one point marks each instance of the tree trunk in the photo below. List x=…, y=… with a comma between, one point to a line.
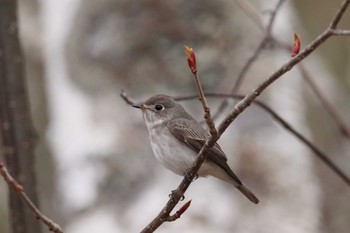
x=17, y=132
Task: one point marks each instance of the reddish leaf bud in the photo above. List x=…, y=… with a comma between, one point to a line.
x=191, y=59
x=296, y=46
x=183, y=208
x=19, y=188
x=2, y=164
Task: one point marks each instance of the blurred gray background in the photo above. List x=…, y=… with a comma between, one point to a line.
x=95, y=166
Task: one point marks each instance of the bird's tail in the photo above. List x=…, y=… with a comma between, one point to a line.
x=233, y=179
x=226, y=174
x=248, y=193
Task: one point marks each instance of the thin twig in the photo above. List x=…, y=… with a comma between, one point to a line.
x=243, y=104
x=261, y=46
x=125, y=97
x=333, y=112
x=192, y=64
x=267, y=37
x=343, y=128
x=254, y=15
x=207, y=116
x=54, y=227
x=317, y=152
x=339, y=32
x=335, y=21
x=251, y=11
x=249, y=63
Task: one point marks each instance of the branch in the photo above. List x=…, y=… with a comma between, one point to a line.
x=343, y=128
x=254, y=15
x=251, y=11
x=126, y=98
x=191, y=58
x=54, y=227
x=243, y=104
x=207, y=116
x=317, y=152
x=335, y=21
x=339, y=32
x=257, y=51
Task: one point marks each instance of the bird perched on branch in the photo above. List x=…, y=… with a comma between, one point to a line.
x=176, y=139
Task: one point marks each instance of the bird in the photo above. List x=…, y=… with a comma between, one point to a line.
x=176, y=139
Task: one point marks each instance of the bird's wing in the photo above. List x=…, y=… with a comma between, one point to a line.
x=195, y=136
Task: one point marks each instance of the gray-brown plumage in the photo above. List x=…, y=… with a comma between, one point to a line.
x=176, y=138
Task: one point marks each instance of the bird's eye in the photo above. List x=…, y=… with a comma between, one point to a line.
x=159, y=107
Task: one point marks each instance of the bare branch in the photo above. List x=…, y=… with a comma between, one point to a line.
x=243, y=104
x=125, y=97
x=191, y=59
x=251, y=11
x=339, y=32
x=54, y=227
x=344, y=129
x=273, y=16
x=207, y=116
x=257, y=51
x=334, y=23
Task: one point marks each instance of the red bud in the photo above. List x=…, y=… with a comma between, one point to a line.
x=19, y=188
x=183, y=208
x=296, y=46
x=191, y=59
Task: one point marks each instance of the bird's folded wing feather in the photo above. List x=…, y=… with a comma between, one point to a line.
x=195, y=136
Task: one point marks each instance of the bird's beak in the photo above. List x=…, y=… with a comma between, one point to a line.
x=138, y=106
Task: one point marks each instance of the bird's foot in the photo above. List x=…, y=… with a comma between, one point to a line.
x=187, y=176
x=171, y=196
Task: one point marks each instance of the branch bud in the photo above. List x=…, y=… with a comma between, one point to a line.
x=183, y=208
x=191, y=59
x=296, y=46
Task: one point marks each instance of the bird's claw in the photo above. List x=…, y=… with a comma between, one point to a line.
x=172, y=194
x=188, y=177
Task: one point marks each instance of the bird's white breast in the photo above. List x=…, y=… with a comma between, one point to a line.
x=171, y=152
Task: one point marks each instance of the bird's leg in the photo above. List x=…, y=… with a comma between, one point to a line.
x=186, y=175
x=172, y=194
